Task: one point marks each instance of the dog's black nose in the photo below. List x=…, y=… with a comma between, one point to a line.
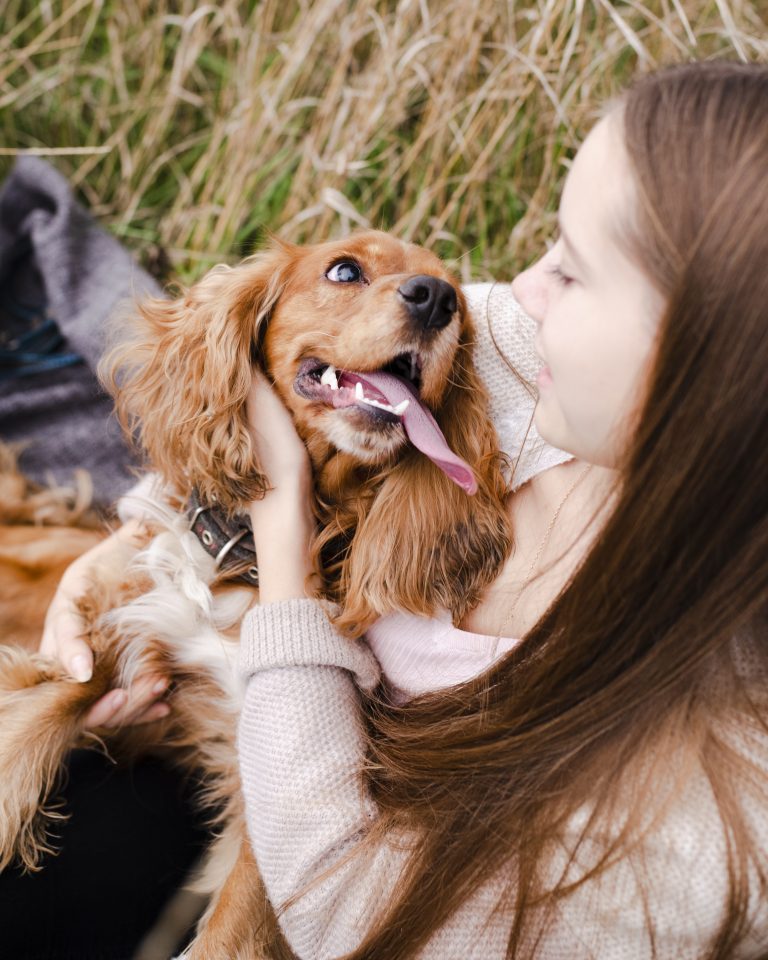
x=430, y=301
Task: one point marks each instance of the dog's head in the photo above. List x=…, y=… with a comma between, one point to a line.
x=368, y=342
x=364, y=336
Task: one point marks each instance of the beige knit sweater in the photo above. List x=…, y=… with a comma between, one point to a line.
x=301, y=746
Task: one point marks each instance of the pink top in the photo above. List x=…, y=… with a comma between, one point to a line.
x=421, y=654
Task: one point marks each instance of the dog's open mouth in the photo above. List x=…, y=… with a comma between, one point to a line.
x=383, y=402
x=389, y=395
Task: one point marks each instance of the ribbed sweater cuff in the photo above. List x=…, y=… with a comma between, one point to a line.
x=297, y=633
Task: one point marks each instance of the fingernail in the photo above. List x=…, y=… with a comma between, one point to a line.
x=117, y=699
x=160, y=686
x=80, y=668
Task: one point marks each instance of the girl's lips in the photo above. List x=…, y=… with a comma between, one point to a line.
x=544, y=377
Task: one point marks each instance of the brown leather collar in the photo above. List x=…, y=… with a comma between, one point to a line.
x=228, y=541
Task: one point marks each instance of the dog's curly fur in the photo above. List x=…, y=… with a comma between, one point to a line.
x=394, y=532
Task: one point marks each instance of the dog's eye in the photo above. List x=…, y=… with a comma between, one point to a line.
x=346, y=271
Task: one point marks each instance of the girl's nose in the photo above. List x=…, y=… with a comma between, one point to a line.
x=530, y=290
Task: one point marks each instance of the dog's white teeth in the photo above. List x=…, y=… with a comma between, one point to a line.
x=359, y=395
x=329, y=377
x=399, y=409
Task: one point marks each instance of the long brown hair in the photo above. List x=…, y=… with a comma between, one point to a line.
x=633, y=685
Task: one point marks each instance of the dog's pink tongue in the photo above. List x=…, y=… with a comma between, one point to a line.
x=422, y=428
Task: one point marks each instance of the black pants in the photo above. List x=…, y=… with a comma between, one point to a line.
x=131, y=838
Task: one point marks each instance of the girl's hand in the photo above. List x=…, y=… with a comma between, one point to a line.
x=64, y=639
x=281, y=451
x=283, y=520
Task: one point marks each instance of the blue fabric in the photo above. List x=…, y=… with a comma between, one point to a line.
x=41, y=348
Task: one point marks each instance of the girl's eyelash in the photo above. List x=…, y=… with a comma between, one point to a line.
x=556, y=272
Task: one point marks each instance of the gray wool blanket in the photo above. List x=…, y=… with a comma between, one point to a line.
x=61, y=277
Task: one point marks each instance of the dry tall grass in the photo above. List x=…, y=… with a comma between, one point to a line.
x=200, y=125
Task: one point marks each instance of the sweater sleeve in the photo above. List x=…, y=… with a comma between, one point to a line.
x=302, y=752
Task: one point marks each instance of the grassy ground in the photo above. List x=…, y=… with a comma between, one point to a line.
x=192, y=128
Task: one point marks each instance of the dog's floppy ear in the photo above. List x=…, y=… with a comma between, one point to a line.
x=424, y=542
x=180, y=374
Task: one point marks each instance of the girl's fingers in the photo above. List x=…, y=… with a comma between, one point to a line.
x=156, y=712
x=142, y=696
x=281, y=451
x=124, y=708
x=64, y=639
x=103, y=712
x=78, y=659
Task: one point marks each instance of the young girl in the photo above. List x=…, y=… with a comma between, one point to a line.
x=602, y=789
x=592, y=781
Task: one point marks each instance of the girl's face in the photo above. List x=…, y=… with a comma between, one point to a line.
x=596, y=311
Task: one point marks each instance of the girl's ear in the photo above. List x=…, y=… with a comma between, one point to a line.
x=181, y=374
x=424, y=543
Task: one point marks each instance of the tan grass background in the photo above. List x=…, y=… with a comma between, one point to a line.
x=196, y=127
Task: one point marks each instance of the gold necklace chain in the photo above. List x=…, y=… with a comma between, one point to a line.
x=539, y=551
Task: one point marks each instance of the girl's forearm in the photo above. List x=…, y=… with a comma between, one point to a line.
x=283, y=526
x=302, y=750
